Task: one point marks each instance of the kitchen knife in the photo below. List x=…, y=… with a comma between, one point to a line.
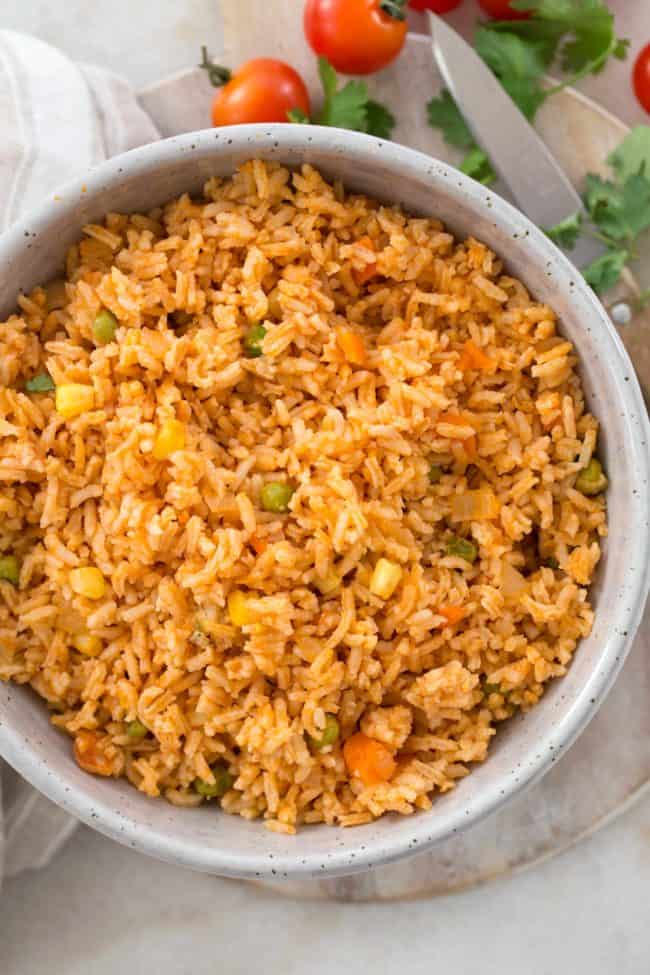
x=538, y=185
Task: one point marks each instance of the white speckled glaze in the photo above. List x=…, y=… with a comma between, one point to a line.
x=32, y=252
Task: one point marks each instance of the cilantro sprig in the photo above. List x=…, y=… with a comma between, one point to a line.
x=617, y=210
x=348, y=107
x=578, y=35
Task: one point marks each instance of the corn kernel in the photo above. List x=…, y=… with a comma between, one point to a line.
x=170, y=437
x=73, y=399
x=88, y=582
x=86, y=643
x=238, y=608
x=327, y=583
x=385, y=578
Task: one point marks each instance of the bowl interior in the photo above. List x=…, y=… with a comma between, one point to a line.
x=32, y=253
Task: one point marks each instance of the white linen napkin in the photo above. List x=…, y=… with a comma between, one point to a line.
x=57, y=118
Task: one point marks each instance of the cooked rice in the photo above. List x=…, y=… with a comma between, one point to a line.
x=173, y=537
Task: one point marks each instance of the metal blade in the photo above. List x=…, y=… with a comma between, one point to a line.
x=538, y=185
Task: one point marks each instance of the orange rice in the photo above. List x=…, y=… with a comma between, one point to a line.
x=354, y=654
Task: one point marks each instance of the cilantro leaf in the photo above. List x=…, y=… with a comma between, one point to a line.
x=632, y=154
x=605, y=271
x=566, y=232
x=41, y=383
x=349, y=107
x=444, y=114
x=379, y=121
x=297, y=115
x=519, y=65
x=477, y=165
x=621, y=211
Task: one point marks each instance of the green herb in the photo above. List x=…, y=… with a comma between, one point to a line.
x=253, y=341
x=579, y=34
x=604, y=272
x=491, y=689
x=477, y=165
x=462, y=548
x=349, y=107
x=566, y=232
x=379, y=121
x=435, y=473
x=550, y=562
x=42, y=383
x=618, y=210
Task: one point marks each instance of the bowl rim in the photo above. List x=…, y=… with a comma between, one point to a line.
x=423, y=831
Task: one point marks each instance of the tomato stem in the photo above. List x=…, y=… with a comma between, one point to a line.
x=217, y=74
x=394, y=8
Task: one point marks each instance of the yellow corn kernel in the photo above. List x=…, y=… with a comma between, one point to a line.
x=327, y=583
x=385, y=578
x=238, y=608
x=73, y=399
x=89, y=645
x=170, y=437
x=88, y=582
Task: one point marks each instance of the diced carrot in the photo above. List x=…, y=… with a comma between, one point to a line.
x=474, y=358
x=352, y=346
x=89, y=754
x=453, y=614
x=361, y=275
x=260, y=545
x=368, y=759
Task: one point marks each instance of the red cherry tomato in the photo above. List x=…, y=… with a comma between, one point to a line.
x=261, y=90
x=641, y=77
x=501, y=10
x=436, y=6
x=356, y=36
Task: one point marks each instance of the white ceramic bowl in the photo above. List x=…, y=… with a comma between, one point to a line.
x=32, y=252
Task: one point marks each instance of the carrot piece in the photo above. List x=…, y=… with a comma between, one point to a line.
x=368, y=759
x=474, y=358
x=89, y=754
x=352, y=346
x=260, y=545
x=361, y=275
x=453, y=614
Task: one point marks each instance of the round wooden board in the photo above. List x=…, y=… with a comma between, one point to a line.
x=609, y=766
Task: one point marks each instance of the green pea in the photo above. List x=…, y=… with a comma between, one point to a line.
x=253, y=341
x=329, y=734
x=9, y=569
x=41, y=383
x=276, y=496
x=223, y=781
x=135, y=729
x=591, y=479
x=435, y=474
x=463, y=549
x=104, y=327
x=551, y=562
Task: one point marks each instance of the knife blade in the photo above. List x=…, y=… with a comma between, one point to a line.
x=538, y=185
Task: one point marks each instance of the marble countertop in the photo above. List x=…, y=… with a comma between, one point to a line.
x=98, y=907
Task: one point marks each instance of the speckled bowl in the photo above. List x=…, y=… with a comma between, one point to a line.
x=32, y=252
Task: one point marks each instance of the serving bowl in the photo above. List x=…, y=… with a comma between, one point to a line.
x=32, y=252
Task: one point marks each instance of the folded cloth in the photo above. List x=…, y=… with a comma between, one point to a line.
x=57, y=119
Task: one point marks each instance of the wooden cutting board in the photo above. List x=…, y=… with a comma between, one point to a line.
x=610, y=764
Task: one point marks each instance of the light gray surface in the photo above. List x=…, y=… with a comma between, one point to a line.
x=99, y=909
